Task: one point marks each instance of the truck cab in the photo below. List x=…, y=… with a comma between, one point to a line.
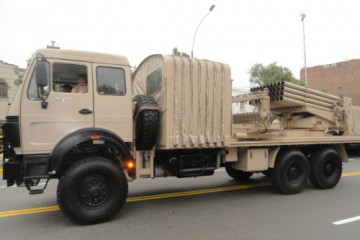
x=51, y=120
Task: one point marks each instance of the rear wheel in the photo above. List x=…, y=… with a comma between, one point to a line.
x=92, y=190
x=290, y=172
x=325, y=168
x=237, y=174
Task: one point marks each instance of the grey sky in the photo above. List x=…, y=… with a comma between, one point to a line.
x=240, y=33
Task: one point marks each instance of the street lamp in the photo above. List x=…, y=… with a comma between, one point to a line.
x=192, y=49
x=303, y=16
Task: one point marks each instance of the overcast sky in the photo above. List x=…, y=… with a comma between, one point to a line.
x=239, y=33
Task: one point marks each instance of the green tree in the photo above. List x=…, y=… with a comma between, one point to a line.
x=272, y=73
x=176, y=52
x=324, y=90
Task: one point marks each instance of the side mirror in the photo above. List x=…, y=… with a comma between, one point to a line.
x=42, y=81
x=42, y=77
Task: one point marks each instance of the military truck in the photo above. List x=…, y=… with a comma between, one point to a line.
x=171, y=117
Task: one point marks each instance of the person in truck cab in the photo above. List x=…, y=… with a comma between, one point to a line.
x=67, y=88
x=81, y=84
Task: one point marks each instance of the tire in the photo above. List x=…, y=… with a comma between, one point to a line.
x=325, y=168
x=147, y=122
x=92, y=190
x=237, y=174
x=291, y=171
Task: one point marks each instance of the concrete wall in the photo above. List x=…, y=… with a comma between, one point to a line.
x=342, y=78
x=9, y=73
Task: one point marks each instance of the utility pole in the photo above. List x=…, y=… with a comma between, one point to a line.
x=303, y=16
x=192, y=49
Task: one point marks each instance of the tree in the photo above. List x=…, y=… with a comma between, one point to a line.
x=324, y=90
x=272, y=73
x=176, y=52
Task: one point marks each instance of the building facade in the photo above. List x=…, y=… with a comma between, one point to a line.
x=10, y=79
x=341, y=79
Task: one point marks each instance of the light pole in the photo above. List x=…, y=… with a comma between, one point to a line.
x=303, y=16
x=192, y=49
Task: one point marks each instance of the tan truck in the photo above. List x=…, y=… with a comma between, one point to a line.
x=84, y=118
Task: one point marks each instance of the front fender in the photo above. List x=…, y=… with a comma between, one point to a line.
x=81, y=136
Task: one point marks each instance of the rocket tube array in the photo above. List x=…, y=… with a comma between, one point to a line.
x=285, y=94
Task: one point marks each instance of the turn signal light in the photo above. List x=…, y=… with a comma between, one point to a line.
x=130, y=164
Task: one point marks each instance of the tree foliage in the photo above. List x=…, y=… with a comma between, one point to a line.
x=272, y=73
x=176, y=52
x=324, y=90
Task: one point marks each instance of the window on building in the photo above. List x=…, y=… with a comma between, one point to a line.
x=110, y=81
x=3, y=88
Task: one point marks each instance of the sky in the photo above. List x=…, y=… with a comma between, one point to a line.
x=240, y=33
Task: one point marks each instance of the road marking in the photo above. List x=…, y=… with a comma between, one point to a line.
x=28, y=211
x=348, y=220
x=1, y=171
x=350, y=174
x=140, y=198
x=196, y=192
x=156, y=196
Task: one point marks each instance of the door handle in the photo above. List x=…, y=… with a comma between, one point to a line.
x=85, y=111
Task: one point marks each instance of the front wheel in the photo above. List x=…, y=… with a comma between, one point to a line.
x=92, y=190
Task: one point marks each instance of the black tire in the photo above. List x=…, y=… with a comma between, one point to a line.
x=147, y=122
x=92, y=190
x=325, y=168
x=291, y=171
x=237, y=174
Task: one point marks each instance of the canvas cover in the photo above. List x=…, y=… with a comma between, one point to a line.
x=194, y=97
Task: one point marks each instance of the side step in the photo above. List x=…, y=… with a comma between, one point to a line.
x=34, y=182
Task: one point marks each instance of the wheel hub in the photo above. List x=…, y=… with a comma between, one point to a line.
x=293, y=173
x=94, y=192
x=328, y=169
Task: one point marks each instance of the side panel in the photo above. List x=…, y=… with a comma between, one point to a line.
x=42, y=129
x=252, y=159
x=355, y=111
x=113, y=106
x=196, y=102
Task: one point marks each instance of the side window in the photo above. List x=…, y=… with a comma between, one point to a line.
x=33, y=90
x=69, y=78
x=153, y=81
x=110, y=81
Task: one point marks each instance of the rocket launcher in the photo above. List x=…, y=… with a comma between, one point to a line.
x=294, y=107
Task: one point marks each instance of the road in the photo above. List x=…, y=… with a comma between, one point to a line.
x=215, y=207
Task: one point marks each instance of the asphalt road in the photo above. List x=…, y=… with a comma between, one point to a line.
x=215, y=207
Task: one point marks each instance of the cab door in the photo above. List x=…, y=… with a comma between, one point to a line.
x=66, y=112
x=113, y=100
